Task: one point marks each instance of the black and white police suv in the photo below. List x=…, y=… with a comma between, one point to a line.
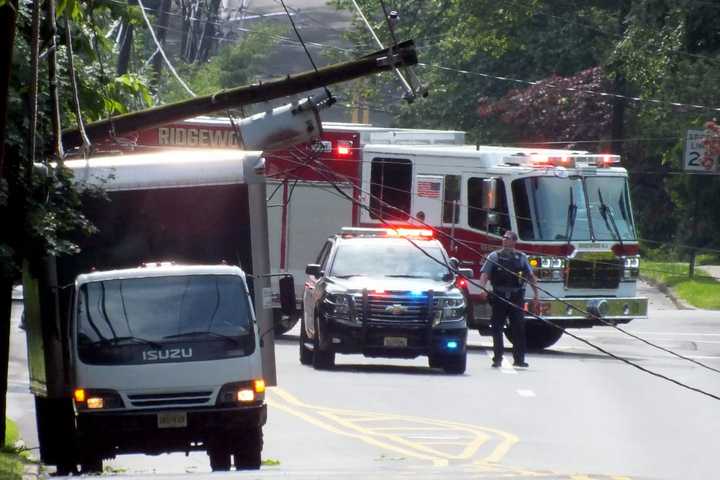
x=374, y=291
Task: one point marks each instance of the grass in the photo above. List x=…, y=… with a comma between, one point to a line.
x=11, y=463
x=703, y=291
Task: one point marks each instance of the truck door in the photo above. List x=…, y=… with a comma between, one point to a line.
x=427, y=201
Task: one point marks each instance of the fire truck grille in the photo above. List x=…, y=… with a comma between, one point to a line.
x=170, y=399
x=397, y=308
x=596, y=273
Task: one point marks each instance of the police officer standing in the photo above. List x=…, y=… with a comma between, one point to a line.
x=508, y=270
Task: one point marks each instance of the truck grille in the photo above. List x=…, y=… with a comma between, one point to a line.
x=594, y=273
x=395, y=307
x=170, y=399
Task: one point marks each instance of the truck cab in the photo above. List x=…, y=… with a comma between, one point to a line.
x=191, y=326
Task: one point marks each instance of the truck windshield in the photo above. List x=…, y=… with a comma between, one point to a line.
x=163, y=319
x=391, y=258
x=542, y=203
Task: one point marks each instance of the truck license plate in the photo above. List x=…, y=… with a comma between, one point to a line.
x=395, y=342
x=172, y=419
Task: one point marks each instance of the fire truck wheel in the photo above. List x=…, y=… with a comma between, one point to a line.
x=283, y=323
x=322, y=359
x=538, y=335
x=306, y=355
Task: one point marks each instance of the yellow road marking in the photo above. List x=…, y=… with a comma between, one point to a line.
x=365, y=438
x=392, y=439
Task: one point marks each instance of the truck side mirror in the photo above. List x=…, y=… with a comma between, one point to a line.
x=489, y=198
x=313, y=269
x=454, y=263
x=287, y=295
x=492, y=219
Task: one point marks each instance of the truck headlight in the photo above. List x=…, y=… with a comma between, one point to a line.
x=235, y=393
x=97, y=399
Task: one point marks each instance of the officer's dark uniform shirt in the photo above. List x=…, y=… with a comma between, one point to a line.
x=508, y=270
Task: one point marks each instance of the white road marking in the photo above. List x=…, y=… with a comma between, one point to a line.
x=526, y=393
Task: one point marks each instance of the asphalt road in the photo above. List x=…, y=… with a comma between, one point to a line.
x=574, y=414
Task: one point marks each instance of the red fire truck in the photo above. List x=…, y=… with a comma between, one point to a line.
x=571, y=209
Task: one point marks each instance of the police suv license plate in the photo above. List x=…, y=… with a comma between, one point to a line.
x=172, y=419
x=396, y=342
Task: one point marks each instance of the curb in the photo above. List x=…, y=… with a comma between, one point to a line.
x=32, y=472
x=668, y=291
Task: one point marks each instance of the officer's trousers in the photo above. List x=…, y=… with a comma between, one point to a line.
x=514, y=311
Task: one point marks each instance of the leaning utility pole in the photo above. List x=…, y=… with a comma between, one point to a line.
x=401, y=55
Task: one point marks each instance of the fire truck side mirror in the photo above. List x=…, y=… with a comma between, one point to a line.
x=489, y=198
x=287, y=295
x=454, y=263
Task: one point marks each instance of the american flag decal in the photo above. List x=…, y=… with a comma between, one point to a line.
x=428, y=188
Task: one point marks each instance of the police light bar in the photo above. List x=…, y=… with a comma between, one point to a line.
x=567, y=161
x=348, y=232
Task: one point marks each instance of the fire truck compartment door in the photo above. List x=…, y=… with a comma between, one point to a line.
x=428, y=198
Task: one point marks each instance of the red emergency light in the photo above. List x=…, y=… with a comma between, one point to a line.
x=343, y=148
x=409, y=232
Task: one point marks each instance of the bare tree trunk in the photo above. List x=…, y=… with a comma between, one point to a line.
x=8, y=20
x=52, y=78
x=207, y=37
x=126, y=41
x=161, y=32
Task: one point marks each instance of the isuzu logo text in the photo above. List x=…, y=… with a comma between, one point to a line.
x=167, y=354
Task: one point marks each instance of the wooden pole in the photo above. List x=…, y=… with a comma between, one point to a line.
x=405, y=55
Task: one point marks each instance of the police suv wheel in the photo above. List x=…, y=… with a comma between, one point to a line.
x=455, y=364
x=322, y=359
x=306, y=355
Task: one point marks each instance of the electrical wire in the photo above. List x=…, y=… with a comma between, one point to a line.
x=571, y=89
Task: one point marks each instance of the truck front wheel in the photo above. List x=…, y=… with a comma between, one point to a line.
x=219, y=458
x=250, y=457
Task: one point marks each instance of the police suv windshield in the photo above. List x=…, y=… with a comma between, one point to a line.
x=163, y=319
x=389, y=258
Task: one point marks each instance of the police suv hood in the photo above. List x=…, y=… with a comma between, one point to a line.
x=397, y=284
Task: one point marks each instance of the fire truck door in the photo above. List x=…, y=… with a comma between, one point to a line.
x=428, y=198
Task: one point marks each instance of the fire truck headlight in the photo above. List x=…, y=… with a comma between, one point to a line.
x=546, y=262
x=558, y=263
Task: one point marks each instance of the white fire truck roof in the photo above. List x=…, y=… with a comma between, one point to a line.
x=166, y=169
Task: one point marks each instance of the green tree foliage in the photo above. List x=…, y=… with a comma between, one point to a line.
x=490, y=66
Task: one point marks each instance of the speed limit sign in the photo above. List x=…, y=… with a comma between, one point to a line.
x=695, y=158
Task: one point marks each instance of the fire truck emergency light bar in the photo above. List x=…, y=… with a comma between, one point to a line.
x=348, y=232
x=567, y=161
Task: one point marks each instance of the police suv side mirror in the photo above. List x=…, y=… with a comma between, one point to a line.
x=313, y=269
x=287, y=295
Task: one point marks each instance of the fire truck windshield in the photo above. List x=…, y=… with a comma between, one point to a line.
x=542, y=203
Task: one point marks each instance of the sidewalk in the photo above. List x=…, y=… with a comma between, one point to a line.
x=712, y=270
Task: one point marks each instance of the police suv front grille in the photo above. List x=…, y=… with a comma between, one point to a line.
x=594, y=273
x=170, y=399
x=397, y=308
